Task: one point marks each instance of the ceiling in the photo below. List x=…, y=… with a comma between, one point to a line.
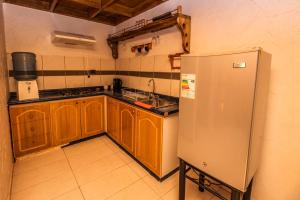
x=110, y=12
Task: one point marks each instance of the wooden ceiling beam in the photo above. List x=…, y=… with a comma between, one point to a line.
x=145, y=5
x=90, y=3
x=120, y=10
x=106, y=5
x=53, y=5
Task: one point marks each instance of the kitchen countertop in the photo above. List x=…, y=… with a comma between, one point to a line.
x=53, y=95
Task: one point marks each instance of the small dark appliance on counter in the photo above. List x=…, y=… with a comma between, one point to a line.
x=117, y=85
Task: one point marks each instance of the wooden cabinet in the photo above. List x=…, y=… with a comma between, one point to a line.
x=127, y=127
x=65, y=121
x=148, y=137
x=113, y=119
x=149, y=140
x=30, y=128
x=92, y=116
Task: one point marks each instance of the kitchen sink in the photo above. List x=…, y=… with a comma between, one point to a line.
x=146, y=98
x=158, y=102
x=137, y=96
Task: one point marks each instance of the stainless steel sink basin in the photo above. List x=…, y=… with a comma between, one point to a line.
x=146, y=98
x=158, y=103
x=137, y=96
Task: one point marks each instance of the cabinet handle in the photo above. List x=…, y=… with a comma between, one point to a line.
x=76, y=103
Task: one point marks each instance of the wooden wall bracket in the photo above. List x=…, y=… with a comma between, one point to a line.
x=184, y=25
x=173, y=58
x=114, y=48
x=167, y=20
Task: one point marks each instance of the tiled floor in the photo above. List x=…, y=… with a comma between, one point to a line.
x=95, y=169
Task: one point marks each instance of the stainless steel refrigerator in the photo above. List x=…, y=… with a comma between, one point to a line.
x=222, y=108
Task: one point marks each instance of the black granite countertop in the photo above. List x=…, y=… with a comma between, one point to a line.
x=53, y=95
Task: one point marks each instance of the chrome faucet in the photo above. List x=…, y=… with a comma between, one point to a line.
x=153, y=87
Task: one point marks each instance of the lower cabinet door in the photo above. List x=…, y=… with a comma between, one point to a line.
x=149, y=140
x=113, y=119
x=65, y=121
x=30, y=128
x=92, y=116
x=127, y=127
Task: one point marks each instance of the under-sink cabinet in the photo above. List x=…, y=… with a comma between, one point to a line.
x=150, y=138
x=39, y=126
x=127, y=127
x=113, y=119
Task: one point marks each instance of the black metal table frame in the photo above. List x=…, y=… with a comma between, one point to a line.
x=235, y=193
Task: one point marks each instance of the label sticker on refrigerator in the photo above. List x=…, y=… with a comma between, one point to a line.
x=187, y=85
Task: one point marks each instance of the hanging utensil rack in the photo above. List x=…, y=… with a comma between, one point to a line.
x=164, y=21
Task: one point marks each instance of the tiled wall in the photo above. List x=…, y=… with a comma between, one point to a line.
x=58, y=72
x=137, y=71
x=6, y=162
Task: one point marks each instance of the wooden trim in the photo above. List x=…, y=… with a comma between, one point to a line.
x=90, y=3
x=109, y=3
x=53, y=5
x=120, y=10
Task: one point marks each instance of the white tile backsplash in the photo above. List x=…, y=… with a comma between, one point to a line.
x=74, y=81
x=92, y=63
x=108, y=64
x=74, y=63
x=53, y=62
x=54, y=82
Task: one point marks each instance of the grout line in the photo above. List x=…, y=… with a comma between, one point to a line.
x=28, y=187
x=124, y=188
x=73, y=174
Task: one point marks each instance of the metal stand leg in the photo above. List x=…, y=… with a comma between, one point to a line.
x=235, y=195
x=182, y=169
x=201, y=182
x=247, y=194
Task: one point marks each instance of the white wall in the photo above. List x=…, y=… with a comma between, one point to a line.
x=6, y=161
x=219, y=25
x=29, y=30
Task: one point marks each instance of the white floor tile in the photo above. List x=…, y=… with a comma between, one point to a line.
x=191, y=193
x=138, y=169
x=138, y=190
x=95, y=169
x=35, y=161
x=125, y=157
x=83, y=158
x=85, y=147
x=98, y=168
x=161, y=188
x=72, y=195
x=112, y=146
x=48, y=189
x=33, y=177
x=108, y=185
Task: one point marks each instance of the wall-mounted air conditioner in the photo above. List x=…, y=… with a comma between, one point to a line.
x=59, y=37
